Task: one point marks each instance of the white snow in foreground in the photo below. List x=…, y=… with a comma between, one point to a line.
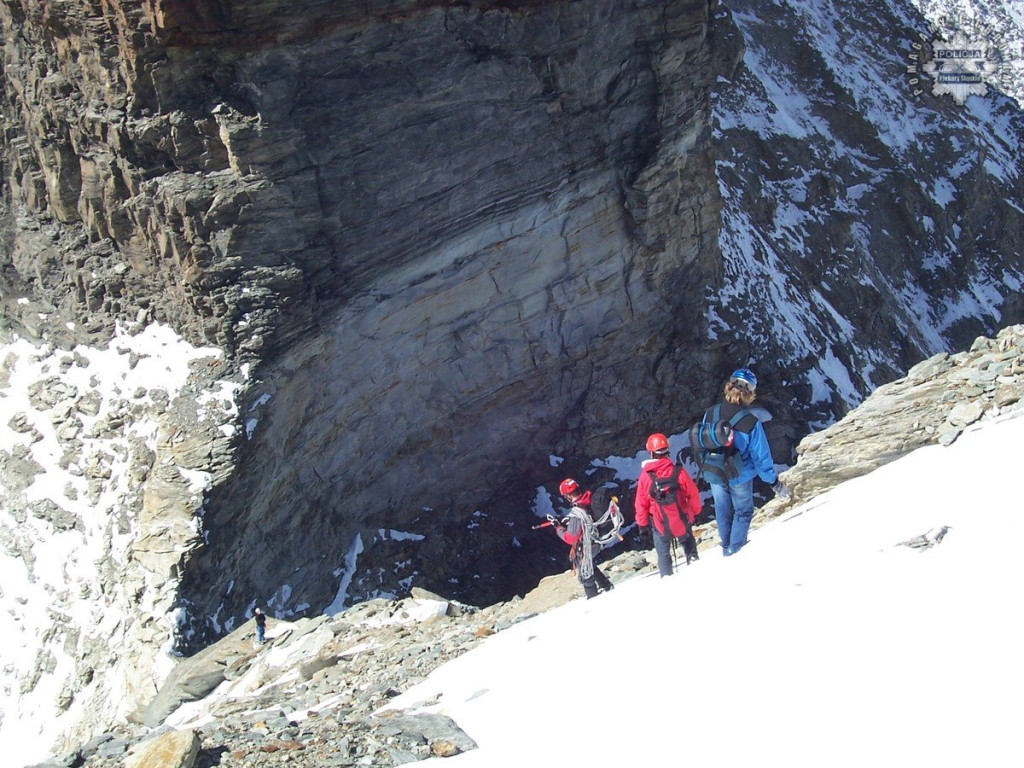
x=824, y=642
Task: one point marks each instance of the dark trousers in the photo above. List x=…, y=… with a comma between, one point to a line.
x=663, y=546
x=595, y=584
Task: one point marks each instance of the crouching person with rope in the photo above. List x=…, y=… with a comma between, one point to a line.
x=586, y=531
x=667, y=497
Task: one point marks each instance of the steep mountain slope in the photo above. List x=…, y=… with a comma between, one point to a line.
x=428, y=258
x=324, y=691
x=864, y=226
x=436, y=236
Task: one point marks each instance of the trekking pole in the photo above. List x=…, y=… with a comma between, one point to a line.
x=675, y=564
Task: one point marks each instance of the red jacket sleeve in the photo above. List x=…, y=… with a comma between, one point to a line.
x=688, y=496
x=567, y=537
x=642, y=501
x=571, y=533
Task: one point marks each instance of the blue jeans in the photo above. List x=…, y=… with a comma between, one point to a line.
x=734, y=506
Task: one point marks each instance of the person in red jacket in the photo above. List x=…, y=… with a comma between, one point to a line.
x=678, y=507
x=577, y=530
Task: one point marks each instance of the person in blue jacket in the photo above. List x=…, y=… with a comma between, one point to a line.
x=734, y=502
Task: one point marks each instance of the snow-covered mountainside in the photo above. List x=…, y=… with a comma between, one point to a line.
x=868, y=627
x=423, y=260
x=99, y=497
x=864, y=225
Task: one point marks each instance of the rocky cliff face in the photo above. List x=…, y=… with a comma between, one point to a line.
x=436, y=244
x=493, y=193
x=441, y=234
x=869, y=221
x=422, y=253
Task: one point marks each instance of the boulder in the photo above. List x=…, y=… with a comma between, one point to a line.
x=193, y=678
x=174, y=749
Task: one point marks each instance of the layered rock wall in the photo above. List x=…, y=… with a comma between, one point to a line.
x=437, y=245
x=519, y=197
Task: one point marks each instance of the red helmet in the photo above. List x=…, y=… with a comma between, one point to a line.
x=657, y=443
x=568, y=487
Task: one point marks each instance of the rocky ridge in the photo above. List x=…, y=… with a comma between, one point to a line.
x=309, y=697
x=937, y=400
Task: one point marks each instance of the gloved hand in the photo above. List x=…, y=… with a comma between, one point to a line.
x=781, y=491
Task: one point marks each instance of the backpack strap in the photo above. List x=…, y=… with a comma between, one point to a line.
x=661, y=507
x=716, y=416
x=654, y=478
x=715, y=412
x=740, y=415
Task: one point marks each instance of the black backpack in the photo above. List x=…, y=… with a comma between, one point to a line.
x=664, y=489
x=663, y=493
x=711, y=443
x=604, y=511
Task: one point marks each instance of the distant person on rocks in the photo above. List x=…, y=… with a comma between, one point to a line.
x=261, y=626
x=578, y=530
x=666, y=495
x=734, y=500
